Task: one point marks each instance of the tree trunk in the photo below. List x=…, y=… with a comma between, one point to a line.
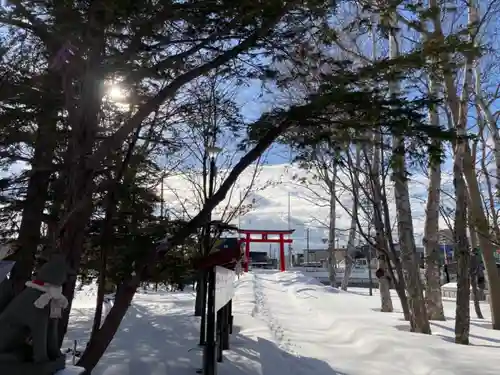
x=384, y=284
x=474, y=268
x=34, y=204
x=462, y=321
x=431, y=243
x=481, y=227
x=489, y=118
x=332, y=260
x=480, y=221
x=100, y=341
x=383, y=266
x=418, y=314
x=351, y=247
x=78, y=205
x=200, y=292
x=383, y=275
x=398, y=278
x=433, y=297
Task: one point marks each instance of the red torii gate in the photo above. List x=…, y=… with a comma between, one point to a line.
x=264, y=237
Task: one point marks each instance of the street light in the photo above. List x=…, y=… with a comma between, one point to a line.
x=209, y=355
x=211, y=152
x=207, y=326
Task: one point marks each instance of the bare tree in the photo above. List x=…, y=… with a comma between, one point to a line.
x=322, y=191
x=351, y=248
x=458, y=111
x=419, y=319
x=433, y=298
x=462, y=321
x=384, y=270
x=211, y=111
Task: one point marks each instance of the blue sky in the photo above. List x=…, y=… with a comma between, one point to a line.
x=253, y=102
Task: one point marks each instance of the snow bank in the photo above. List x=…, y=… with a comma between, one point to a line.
x=343, y=330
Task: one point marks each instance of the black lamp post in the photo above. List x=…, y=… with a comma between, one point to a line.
x=209, y=354
x=212, y=172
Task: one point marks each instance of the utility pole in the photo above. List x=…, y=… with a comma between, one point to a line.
x=289, y=227
x=307, y=245
x=162, y=201
x=239, y=212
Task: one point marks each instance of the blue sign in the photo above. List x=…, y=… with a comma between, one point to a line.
x=446, y=249
x=5, y=268
x=226, y=243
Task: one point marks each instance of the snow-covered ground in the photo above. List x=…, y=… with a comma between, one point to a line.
x=287, y=323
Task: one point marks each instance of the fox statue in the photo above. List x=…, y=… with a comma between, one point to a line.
x=29, y=343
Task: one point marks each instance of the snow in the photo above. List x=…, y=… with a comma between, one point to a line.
x=288, y=324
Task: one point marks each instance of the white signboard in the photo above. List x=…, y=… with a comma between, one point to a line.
x=224, y=286
x=5, y=268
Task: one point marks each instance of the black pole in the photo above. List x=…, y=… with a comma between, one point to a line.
x=230, y=313
x=225, y=327
x=206, y=250
x=203, y=291
x=370, y=280
x=307, y=246
x=220, y=334
x=209, y=352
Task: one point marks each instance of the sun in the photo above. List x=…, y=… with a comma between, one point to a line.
x=116, y=93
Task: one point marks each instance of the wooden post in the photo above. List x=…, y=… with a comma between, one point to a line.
x=225, y=327
x=230, y=313
x=282, y=254
x=247, y=251
x=219, y=325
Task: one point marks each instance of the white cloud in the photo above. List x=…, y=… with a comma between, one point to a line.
x=270, y=209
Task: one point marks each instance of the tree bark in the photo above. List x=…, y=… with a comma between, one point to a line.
x=36, y=196
x=100, y=341
x=433, y=296
x=474, y=267
x=480, y=221
x=351, y=247
x=107, y=228
x=431, y=243
x=462, y=320
x=332, y=261
x=418, y=314
x=80, y=185
x=383, y=275
x=384, y=270
x=398, y=278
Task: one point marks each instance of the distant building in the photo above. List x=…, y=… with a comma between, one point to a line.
x=261, y=259
x=321, y=255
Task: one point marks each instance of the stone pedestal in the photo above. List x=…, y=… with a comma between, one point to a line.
x=71, y=370
x=30, y=368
